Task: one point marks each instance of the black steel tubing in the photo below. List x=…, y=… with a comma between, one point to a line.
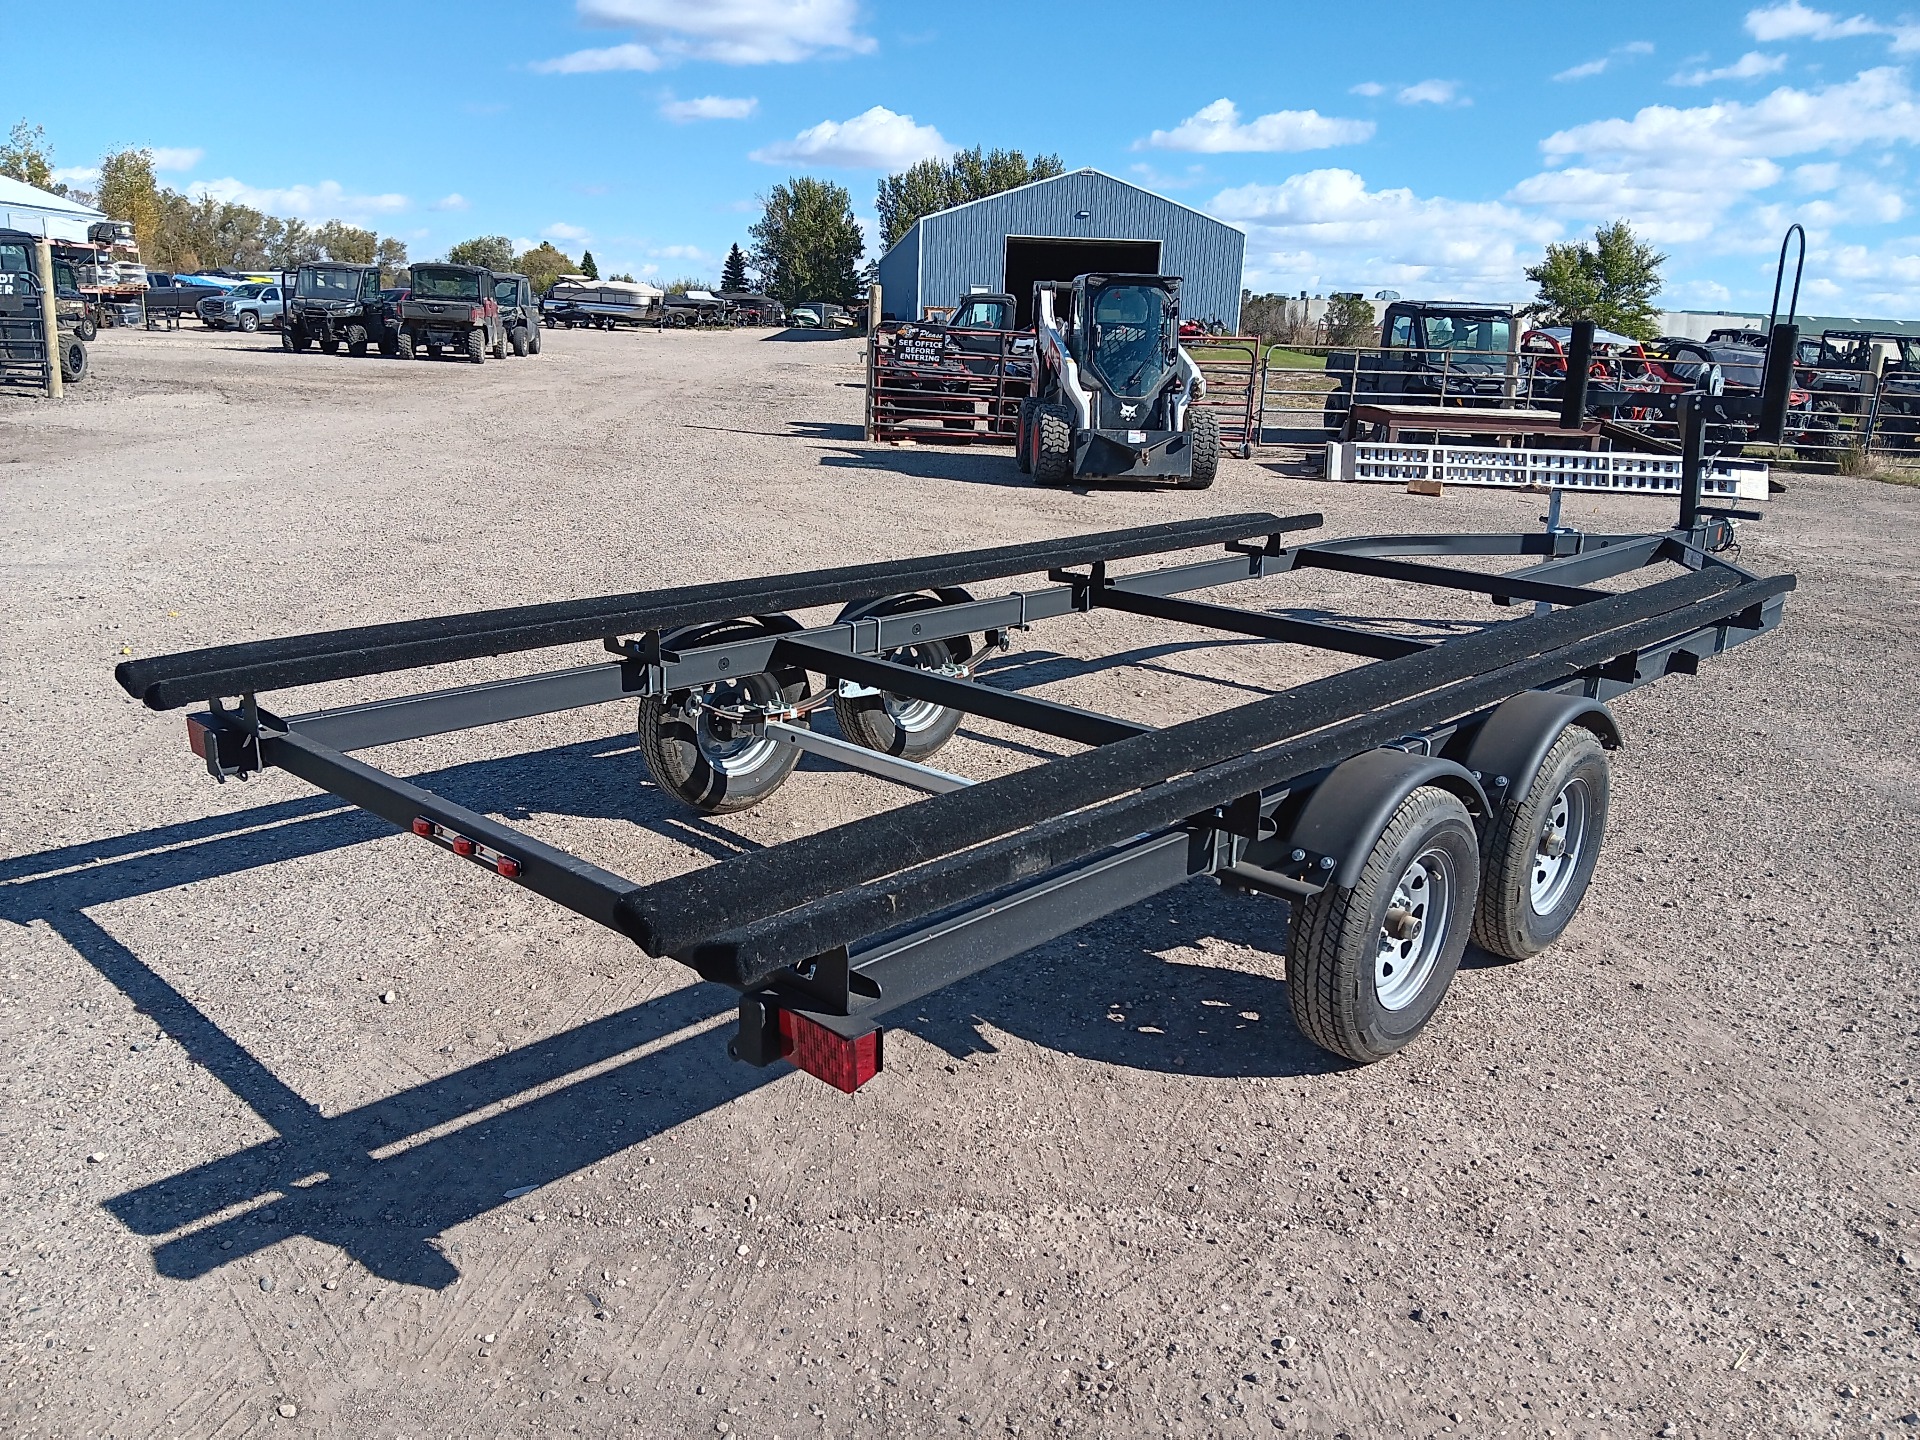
x=1447, y=577
x=167, y=681
x=1255, y=622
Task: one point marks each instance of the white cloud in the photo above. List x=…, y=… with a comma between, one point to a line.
x=455, y=201
x=1216, y=129
x=1813, y=179
x=1590, y=68
x=709, y=107
x=328, y=200
x=1326, y=228
x=1430, y=92
x=1794, y=21
x=594, y=62
x=1750, y=66
x=735, y=32
x=560, y=230
x=176, y=157
x=1585, y=70
x=76, y=174
x=877, y=139
x=1368, y=88
x=679, y=252
x=1666, y=203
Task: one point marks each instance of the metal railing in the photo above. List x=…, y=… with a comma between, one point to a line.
x=924, y=386
x=1230, y=366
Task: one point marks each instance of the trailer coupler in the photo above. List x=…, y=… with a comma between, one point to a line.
x=768, y=1032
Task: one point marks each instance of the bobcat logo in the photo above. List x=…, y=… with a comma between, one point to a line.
x=1127, y=412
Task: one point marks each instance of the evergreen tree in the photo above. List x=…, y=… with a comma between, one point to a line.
x=733, y=274
x=588, y=267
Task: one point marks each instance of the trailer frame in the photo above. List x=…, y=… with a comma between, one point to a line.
x=825, y=935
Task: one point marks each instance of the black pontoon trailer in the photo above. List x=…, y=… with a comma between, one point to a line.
x=1437, y=790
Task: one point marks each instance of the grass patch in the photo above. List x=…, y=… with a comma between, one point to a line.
x=1857, y=463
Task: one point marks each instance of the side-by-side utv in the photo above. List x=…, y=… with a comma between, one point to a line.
x=1115, y=393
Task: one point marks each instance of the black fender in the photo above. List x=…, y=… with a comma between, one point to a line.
x=913, y=600
x=1505, y=753
x=1346, y=812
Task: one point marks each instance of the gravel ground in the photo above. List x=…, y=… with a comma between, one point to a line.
x=308, y=1131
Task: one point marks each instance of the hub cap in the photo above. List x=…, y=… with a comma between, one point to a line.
x=727, y=748
x=912, y=716
x=1557, y=850
x=1415, y=930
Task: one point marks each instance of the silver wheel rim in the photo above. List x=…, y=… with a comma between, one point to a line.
x=1414, y=931
x=731, y=755
x=913, y=716
x=1558, y=846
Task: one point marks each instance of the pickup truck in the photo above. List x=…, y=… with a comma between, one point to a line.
x=247, y=308
x=172, y=296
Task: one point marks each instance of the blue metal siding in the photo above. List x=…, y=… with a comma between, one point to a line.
x=900, y=277
x=967, y=246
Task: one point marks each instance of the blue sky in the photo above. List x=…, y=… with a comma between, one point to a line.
x=1433, y=149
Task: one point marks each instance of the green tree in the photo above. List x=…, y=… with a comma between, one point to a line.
x=628, y=277
x=589, y=267
x=931, y=185
x=733, y=273
x=27, y=156
x=495, y=252
x=128, y=192
x=288, y=244
x=806, y=244
x=684, y=284
x=1350, y=321
x=391, y=254
x=1611, y=282
x=347, y=243
x=543, y=265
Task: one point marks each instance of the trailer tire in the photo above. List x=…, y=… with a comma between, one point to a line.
x=1541, y=848
x=1203, y=433
x=477, y=346
x=519, y=340
x=357, y=341
x=1052, y=444
x=73, y=360
x=894, y=724
x=1355, y=987
x=1022, y=436
x=687, y=757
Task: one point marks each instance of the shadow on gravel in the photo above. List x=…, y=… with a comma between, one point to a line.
x=794, y=335
x=383, y=1181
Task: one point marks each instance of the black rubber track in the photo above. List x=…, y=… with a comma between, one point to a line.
x=744, y=918
x=166, y=682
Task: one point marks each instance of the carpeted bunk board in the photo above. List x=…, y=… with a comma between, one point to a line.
x=742, y=919
x=166, y=682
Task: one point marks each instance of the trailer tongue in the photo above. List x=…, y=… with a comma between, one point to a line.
x=1438, y=789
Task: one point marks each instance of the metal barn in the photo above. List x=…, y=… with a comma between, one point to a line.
x=1073, y=224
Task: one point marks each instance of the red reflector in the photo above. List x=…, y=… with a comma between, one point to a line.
x=423, y=827
x=197, y=737
x=508, y=867
x=462, y=845
x=844, y=1064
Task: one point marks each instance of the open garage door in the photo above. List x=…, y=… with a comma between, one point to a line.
x=1030, y=259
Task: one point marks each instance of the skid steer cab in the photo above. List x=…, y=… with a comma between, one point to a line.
x=1115, y=394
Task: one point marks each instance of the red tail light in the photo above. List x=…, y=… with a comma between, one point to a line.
x=199, y=737
x=844, y=1064
x=508, y=867
x=423, y=827
x=462, y=845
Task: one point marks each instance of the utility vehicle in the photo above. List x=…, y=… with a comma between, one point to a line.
x=519, y=312
x=452, y=307
x=331, y=303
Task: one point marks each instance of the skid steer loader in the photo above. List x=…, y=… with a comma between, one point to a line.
x=1115, y=393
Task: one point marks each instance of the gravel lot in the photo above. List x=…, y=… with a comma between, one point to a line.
x=310, y=1131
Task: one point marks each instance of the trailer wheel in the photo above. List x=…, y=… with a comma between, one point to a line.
x=1203, y=431
x=477, y=346
x=356, y=341
x=73, y=360
x=1021, y=456
x=896, y=724
x=1052, y=444
x=1368, y=966
x=519, y=340
x=1541, y=849
x=702, y=761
